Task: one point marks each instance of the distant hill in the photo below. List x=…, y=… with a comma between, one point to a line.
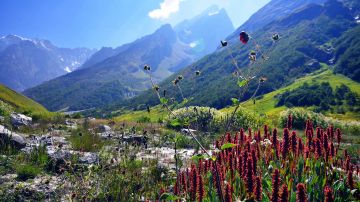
x=25, y=63
x=112, y=75
x=307, y=37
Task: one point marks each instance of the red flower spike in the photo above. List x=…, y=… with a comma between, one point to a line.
x=228, y=138
x=350, y=180
x=284, y=195
x=228, y=193
x=326, y=143
x=258, y=189
x=242, y=135
x=347, y=163
x=274, y=138
x=244, y=164
x=293, y=142
x=300, y=147
x=200, y=188
x=329, y=196
x=332, y=150
x=285, y=143
x=249, y=176
x=338, y=136
x=193, y=185
x=254, y=162
x=318, y=148
x=331, y=128
x=217, y=144
x=345, y=153
x=301, y=193
x=275, y=186
x=239, y=166
x=266, y=131
x=289, y=122
x=184, y=182
x=177, y=188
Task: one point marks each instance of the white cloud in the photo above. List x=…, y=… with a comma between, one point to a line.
x=166, y=8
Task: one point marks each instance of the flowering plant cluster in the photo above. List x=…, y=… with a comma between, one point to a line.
x=261, y=166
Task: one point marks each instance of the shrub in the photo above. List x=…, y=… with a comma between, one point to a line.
x=246, y=119
x=27, y=171
x=300, y=116
x=201, y=118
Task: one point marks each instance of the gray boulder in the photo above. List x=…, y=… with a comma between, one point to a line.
x=88, y=158
x=104, y=128
x=7, y=136
x=20, y=119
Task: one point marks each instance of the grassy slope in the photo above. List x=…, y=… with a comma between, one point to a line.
x=22, y=103
x=156, y=114
x=266, y=105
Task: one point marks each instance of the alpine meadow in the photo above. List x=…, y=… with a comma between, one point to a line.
x=174, y=100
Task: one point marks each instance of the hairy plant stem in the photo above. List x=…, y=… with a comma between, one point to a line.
x=190, y=132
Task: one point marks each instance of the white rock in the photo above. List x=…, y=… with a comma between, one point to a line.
x=20, y=119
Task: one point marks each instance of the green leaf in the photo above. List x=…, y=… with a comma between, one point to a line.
x=235, y=101
x=175, y=123
x=169, y=197
x=164, y=100
x=243, y=83
x=228, y=145
x=199, y=156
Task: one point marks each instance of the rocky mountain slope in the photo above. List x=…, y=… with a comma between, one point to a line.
x=25, y=63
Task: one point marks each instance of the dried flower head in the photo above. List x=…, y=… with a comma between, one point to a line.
x=147, y=67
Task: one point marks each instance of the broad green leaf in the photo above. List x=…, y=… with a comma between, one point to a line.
x=228, y=145
x=199, y=156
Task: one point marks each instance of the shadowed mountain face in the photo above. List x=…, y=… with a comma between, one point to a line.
x=25, y=63
x=275, y=10
x=306, y=39
x=117, y=74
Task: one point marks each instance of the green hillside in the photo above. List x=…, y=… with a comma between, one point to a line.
x=267, y=103
x=21, y=103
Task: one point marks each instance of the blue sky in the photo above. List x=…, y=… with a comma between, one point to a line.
x=98, y=23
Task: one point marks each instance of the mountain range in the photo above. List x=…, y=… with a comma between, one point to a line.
x=112, y=75
x=25, y=63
